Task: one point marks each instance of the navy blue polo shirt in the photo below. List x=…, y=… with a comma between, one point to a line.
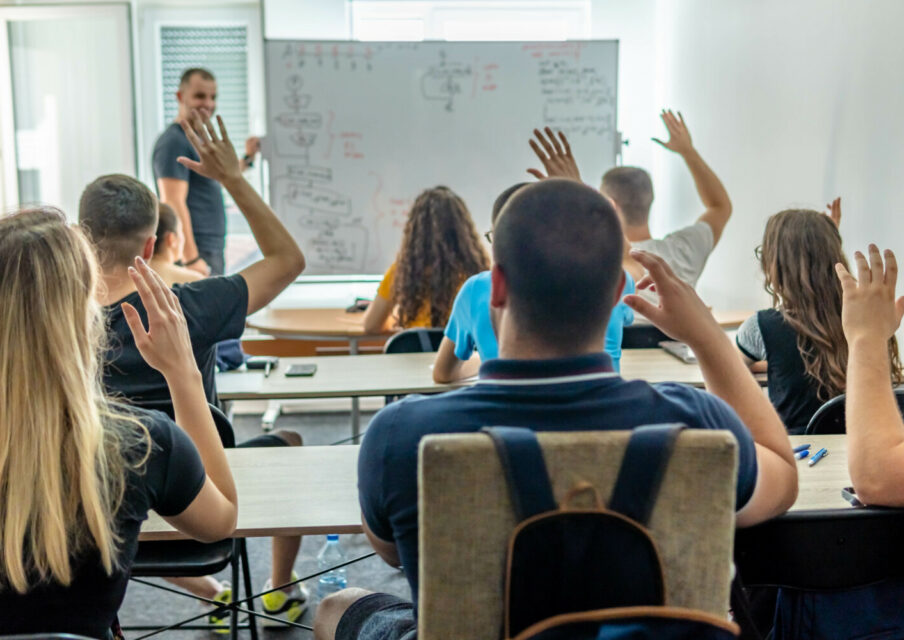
x=573, y=394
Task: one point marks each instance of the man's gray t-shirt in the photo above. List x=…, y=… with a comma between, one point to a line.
x=205, y=196
x=685, y=250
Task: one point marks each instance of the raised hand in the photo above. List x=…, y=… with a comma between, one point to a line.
x=218, y=159
x=555, y=156
x=869, y=309
x=679, y=137
x=834, y=214
x=681, y=313
x=165, y=345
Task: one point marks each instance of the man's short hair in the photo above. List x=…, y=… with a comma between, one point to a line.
x=119, y=214
x=503, y=198
x=559, y=245
x=632, y=190
x=201, y=71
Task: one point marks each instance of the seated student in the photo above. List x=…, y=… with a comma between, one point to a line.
x=79, y=471
x=168, y=249
x=800, y=337
x=686, y=249
x=470, y=327
x=440, y=250
x=870, y=315
x=120, y=215
x=553, y=287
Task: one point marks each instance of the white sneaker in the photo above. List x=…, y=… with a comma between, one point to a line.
x=289, y=606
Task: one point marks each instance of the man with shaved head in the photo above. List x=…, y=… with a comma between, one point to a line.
x=557, y=274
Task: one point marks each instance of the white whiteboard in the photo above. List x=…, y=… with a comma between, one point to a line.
x=357, y=129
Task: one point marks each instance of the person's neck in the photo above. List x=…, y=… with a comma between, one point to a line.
x=516, y=345
x=167, y=257
x=115, y=285
x=638, y=233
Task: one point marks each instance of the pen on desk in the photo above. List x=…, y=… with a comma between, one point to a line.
x=800, y=448
x=267, y=370
x=800, y=455
x=822, y=453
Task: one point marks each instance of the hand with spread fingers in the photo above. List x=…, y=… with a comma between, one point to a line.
x=834, y=213
x=165, y=345
x=679, y=137
x=555, y=154
x=869, y=310
x=681, y=313
x=217, y=156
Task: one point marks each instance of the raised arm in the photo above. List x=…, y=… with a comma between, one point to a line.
x=166, y=347
x=682, y=315
x=713, y=195
x=555, y=155
x=283, y=260
x=870, y=316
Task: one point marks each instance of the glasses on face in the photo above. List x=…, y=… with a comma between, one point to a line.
x=489, y=236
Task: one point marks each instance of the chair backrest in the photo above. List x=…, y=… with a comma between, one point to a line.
x=466, y=519
x=642, y=336
x=414, y=341
x=829, y=418
x=222, y=423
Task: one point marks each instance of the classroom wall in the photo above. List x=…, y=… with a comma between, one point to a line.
x=793, y=103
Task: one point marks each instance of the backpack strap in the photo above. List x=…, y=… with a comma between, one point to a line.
x=525, y=470
x=642, y=469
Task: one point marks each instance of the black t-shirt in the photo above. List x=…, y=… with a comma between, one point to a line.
x=792, y=392
x=168, y=482
x=205, y=196
x=215, y=310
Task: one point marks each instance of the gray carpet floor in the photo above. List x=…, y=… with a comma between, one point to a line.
x=145, y=605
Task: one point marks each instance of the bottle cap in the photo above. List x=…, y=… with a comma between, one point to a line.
x=332, y=536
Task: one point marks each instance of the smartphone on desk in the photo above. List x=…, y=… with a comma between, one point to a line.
x=300, y=370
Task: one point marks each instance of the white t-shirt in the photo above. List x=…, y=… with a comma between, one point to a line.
x=685, y=250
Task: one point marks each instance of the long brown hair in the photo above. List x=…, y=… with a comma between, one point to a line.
x=799, y=253
x=63, y=443
x=440, y=250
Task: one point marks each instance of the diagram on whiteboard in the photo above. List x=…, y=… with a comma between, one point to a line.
x=356, y=130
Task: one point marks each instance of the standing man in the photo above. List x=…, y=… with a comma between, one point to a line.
x=197, y=200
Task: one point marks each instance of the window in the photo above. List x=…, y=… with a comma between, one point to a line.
x=458, y=20
x=222, y=50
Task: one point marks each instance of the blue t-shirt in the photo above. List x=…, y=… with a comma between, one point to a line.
x=470, y=326
x=622, y=316
x=550, y=399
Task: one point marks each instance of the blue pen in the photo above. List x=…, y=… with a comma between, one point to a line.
x=800, y=455
x=822, y=453
x=801, y=447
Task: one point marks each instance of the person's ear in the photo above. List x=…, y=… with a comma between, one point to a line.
x=179, y=96
x=498, y=287
x=172, y=241
x=620, y=289
x=147, y=252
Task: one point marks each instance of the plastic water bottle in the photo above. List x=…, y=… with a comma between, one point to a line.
x=331, y=555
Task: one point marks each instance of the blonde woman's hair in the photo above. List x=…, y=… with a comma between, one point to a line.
x=64, y=447
x=800, y=250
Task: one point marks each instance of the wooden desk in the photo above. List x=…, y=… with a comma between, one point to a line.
x=312, y=324
x=823, y=542
x=404, y=373
x=287, y=491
